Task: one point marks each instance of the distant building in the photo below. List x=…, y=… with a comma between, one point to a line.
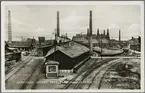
x=21, y=45
x=96, y=39
x=27, y=45
x=135, y=44
x=11, y=53
x=42, y=50
x=48, y=44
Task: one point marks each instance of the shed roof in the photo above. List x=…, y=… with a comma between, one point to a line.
x=51, y=62
x=70, y=50
x=19, y=44
x=94, y=40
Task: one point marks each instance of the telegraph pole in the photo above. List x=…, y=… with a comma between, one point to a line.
x=55, y=43
x=101, y=46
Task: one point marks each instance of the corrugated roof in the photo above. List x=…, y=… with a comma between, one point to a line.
x=52, y=62
x=107, y=51
x=19, y=44
x=94, y=40
x=71, y=49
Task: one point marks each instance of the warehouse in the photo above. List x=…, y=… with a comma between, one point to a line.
x=42, y=50
x=68, y=54
x=21, y=45
x=11, y=53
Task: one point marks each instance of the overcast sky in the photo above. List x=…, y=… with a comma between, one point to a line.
x=40, y=20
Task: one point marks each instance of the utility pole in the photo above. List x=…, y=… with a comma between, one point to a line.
x=101, y=45
x=55, y=43
x=119, y=38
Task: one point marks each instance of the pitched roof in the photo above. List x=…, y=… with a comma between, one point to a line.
x=19, y=44
x=51, y=62
x=107, y=51
x=94, y=40
x=71, y=49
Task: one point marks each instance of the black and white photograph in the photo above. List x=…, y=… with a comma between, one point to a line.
x=72, y=46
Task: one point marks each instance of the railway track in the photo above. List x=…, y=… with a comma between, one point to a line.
x=74, y=83
x=99, y=86
x=101, y=73
x=20, y=62
x=22, y=78
x=17, y=67
x=32, y=77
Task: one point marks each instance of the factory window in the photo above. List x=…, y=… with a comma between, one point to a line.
x=51, y=68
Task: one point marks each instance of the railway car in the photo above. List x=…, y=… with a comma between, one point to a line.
x=13, y=56
x=125, y=49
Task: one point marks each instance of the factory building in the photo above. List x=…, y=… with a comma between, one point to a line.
x=21, y=45
x=134, y=44
x=93, y=40
x=68, y=54
x=11, y=53
x=96, y=40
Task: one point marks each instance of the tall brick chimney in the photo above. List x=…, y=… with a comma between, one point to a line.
x=90, y=35
x=58, y=30
x=90, y=25
x=98, y=32
x=9, y=27
x=108, y=37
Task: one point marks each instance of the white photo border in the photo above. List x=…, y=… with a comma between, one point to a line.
x=4, y=3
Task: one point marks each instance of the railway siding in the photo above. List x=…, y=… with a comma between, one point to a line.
x=93, y=80
x=84, y=74
x=17, y=67
x=20, y=77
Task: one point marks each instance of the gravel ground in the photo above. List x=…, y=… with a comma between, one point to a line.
x=120, y=78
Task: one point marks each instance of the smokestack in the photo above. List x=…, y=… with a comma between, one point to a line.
x=104, y=32
x=58, y=30
x=98, y=32
x=88, y=32
x=107, y=32
x=89, y=40
x=9, y=27
x=90, y=25
x=119, y=37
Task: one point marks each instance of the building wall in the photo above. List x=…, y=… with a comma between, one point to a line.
x=65, y=62
x=46, y=49
x=43, y=51
x=81, y=57
x=135, y=47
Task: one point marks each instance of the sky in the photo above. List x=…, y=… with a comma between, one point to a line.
x=40, y=20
